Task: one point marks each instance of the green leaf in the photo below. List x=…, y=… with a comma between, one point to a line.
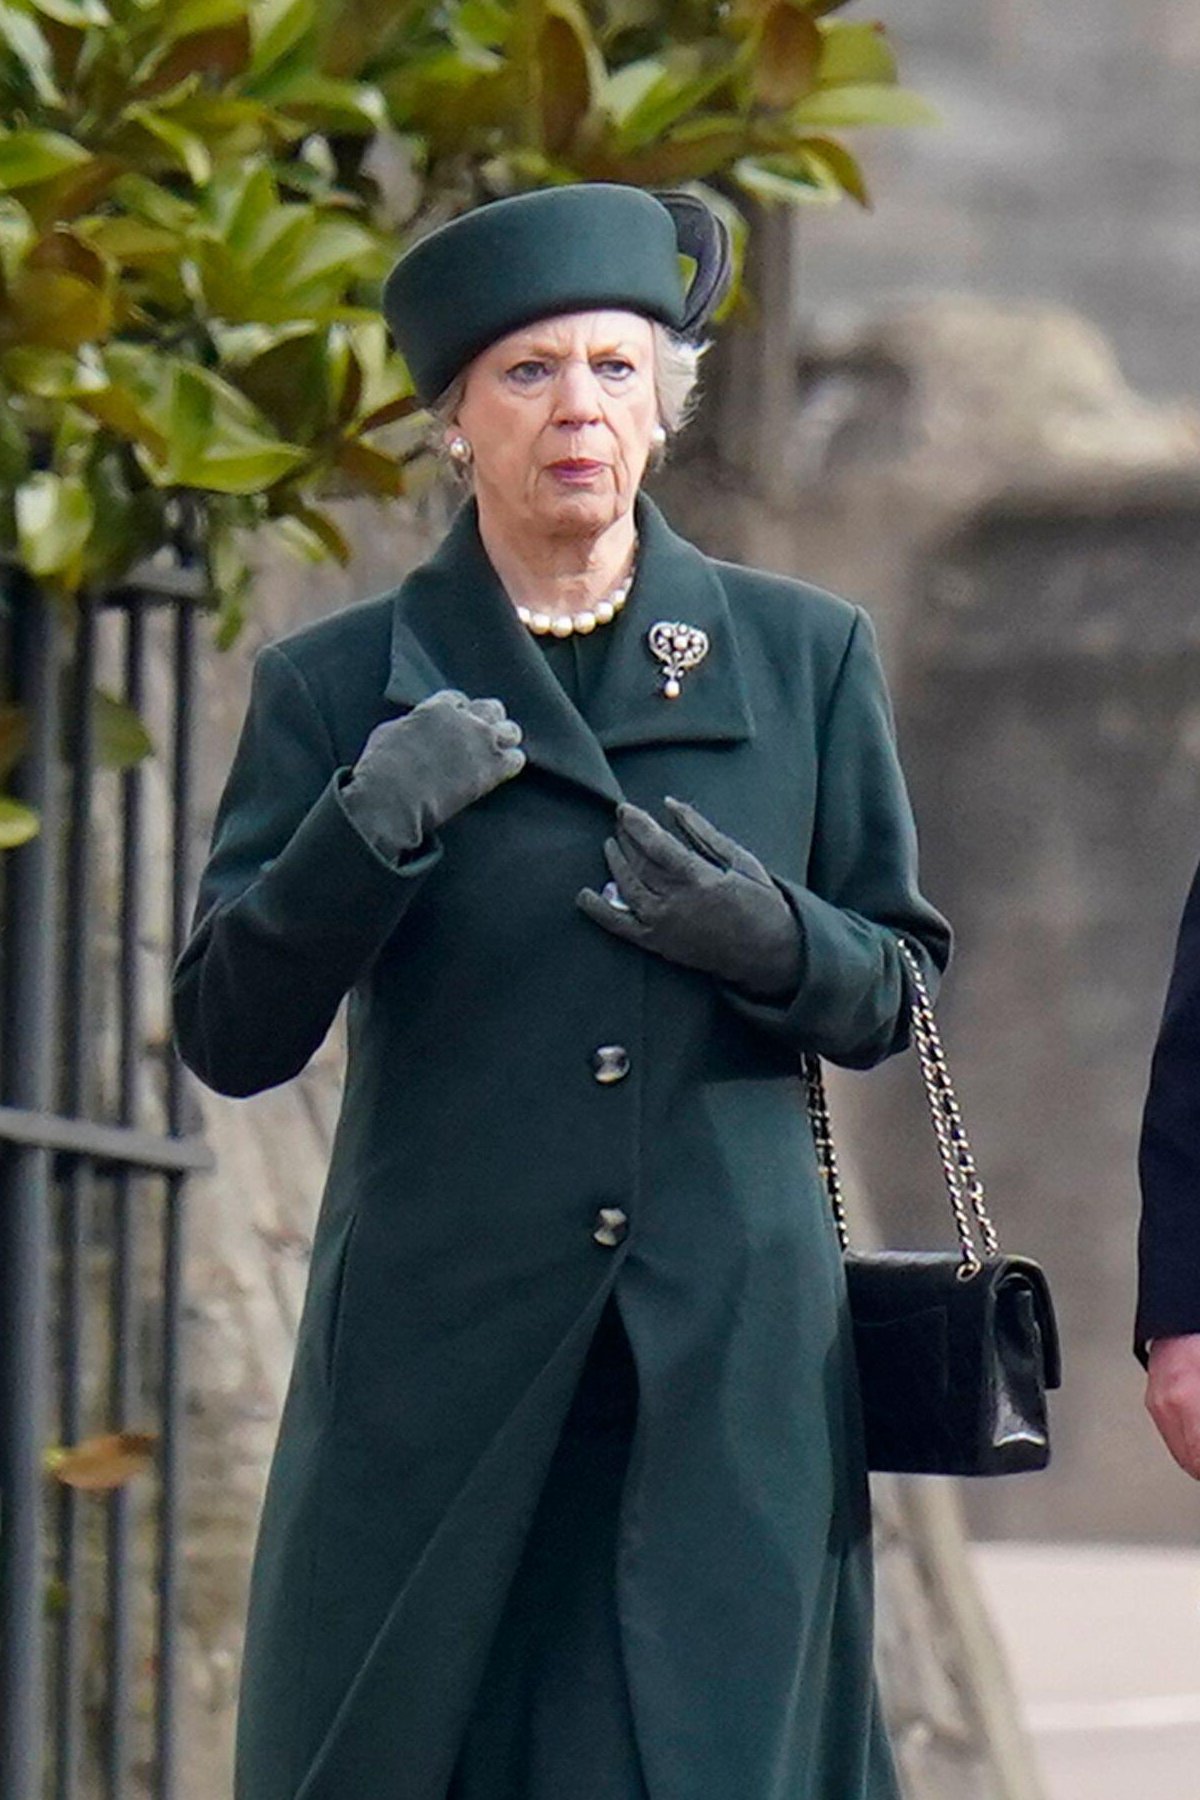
x=188, y=18
x=54, y=517
x=129, y=520
x=150, y=201
x=118, y=407
x=34, y=369
x=868, y=104
x=188, y=150
x=215, y=437
x=227, y=571
x=132, y=242
x=231, y=617
x=354, y=33
x=17, y=233
x=279, y=26
x=692, y=152
x=571, y=71
x=240, y=345
x=684, y=84
x=294, y=535
x=351, y=107
x=220, y=54
x=786, y=55
x=486, y=24
x=24, y=38
x=242, y=203
x=337, y=247
x=27, y=157
x=65, y=251
x=844, y=168
x=455, y=103
x=790, y=179
x=296, y=264
x=57, y=309
x=403, y=406
x=854, y=54
x=15, y=453
x=76, y=13
x=17, y=823
x=291, y=383
x=318, y=537
x=370, y=471
x=627, y=88
x=122, y=740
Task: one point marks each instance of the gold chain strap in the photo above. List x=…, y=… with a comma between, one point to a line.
x=964, y=1188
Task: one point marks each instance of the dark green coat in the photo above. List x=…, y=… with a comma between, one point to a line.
x=456, y=1280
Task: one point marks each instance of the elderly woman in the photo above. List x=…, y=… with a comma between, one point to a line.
x=598, y=836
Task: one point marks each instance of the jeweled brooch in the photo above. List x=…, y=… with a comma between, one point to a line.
x=679, y=648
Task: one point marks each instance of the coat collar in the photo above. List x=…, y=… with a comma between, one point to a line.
x=454, y=626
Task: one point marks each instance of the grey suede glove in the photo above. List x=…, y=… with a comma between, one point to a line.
x=416, y=772
x=705, y=902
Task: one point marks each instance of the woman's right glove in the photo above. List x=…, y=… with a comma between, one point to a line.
x=417, y=771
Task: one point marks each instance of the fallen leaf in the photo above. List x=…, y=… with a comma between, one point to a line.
x=99, y=1464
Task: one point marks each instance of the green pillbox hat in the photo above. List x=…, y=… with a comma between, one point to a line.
x=559, y=250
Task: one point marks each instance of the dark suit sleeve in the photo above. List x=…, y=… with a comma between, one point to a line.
x=851, y=1005
x=1169, y=1156
x=294, y=902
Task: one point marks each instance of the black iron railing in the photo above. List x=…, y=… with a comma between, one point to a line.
x=95, y=1149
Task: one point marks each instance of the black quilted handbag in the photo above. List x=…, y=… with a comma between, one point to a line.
x=955, y=1349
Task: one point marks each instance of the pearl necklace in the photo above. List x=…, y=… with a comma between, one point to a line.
x=565, y=625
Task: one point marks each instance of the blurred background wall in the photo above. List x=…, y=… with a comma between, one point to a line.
x=1068, y=170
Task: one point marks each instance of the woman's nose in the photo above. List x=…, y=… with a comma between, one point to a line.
x=577, y=394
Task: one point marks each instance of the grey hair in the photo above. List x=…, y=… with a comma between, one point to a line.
x=676, y=376
x=676, y=380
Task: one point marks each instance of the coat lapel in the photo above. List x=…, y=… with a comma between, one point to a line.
x=674, y=582
x=454, y=626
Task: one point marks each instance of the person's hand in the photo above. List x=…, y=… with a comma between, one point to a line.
x=699, y=899
x=418, y=771
x=1173, y=1397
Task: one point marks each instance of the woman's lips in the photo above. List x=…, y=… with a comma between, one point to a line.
x=577, y=469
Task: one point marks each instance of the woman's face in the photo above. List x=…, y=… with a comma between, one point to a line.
x=560, y=418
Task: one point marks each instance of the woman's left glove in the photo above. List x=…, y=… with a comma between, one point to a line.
x=705, y=902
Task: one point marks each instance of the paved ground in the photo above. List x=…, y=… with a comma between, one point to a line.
x=1104, y=1645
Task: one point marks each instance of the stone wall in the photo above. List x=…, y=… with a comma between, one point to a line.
x=1067, y=169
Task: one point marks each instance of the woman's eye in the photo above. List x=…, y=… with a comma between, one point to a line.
x=614, y=366
x=528, y=371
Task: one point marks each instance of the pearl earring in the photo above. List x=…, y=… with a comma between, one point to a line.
x=459, y=450
x=658, y=436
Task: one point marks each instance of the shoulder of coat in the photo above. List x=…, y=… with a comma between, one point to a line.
x=785, y=602
x=345, y=654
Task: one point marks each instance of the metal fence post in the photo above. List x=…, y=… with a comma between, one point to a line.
x=80, y=1192
x=27, y=1082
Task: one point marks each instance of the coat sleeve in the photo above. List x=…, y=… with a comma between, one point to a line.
x=294, y=902
x=1168, y=1302
x=851, y=1005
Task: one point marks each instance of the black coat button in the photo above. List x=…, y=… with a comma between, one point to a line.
x=610, y=1063
x=611, y=1226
